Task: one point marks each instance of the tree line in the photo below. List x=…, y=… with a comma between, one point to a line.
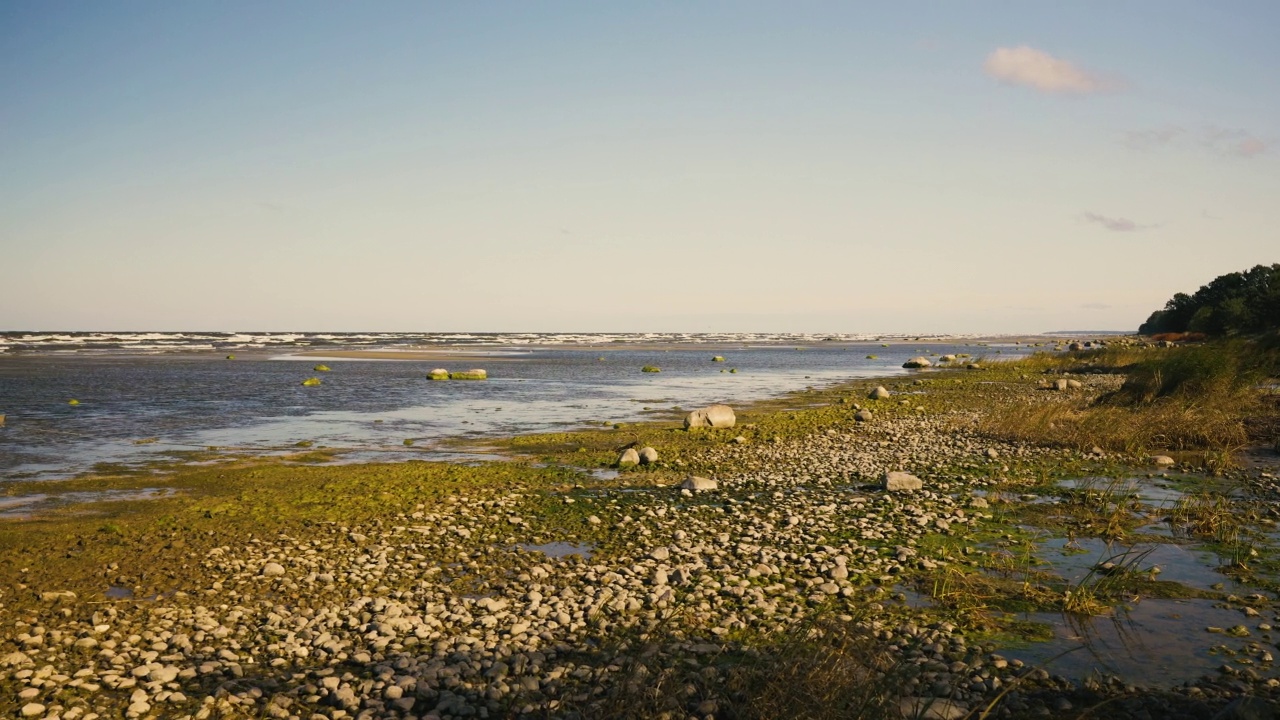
x=1232, y=304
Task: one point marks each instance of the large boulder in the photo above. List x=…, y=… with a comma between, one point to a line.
x=439, y=374
x=880, y=393
x=897, y=481
x=695, y=483
x=715, y=416
x=917, y=362
x=629, y=457
x=648, y=456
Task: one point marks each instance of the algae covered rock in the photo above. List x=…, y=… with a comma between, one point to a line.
x=438, y=374
x=651, y=369
x=473, y=374
x=311, y=382
x=718, y=358
x=321, y=368
x=715, y=416
x=73, y=401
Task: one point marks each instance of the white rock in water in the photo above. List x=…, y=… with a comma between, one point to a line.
x=917, y=362
x=648, y=456
x=897, y=481
x=716, y=416
x=1163, y=460
x=629, y=457
x=694, y=482
x=880, y=393
x=272, y=570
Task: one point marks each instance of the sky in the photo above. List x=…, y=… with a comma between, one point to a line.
x=896, y=167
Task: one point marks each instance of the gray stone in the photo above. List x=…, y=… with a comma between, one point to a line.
x=917, y=362
x=661, y=553
x=1247, y=708
x=629, y=457
x=693, y=482
x=272, y=569
x=715, y=416
x=648, y=456
x=897, y=481
x=925, y=708
x=862, y=416
x=880, y=393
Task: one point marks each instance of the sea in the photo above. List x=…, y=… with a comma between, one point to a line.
x=159, y=397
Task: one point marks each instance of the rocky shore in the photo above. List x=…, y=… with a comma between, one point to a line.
x=626, y=597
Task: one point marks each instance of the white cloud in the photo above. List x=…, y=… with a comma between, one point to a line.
x=1037, y=69
x=1150, y=139
x=1234, y=142
x=1115, y=224
x=1227, y=142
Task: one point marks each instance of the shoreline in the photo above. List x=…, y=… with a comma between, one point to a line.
x=794, y=500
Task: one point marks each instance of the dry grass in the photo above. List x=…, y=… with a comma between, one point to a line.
x=1211, y=400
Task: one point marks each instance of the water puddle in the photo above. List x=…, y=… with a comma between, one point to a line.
x=21, y=507
x=1190, y=566
x=558, y=549
x=115, y=592
x=1152, y=642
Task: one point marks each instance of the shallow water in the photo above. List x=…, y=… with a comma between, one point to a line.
x=559, y=549
x=139, y=408
x=1152, y=642
x=23, y=506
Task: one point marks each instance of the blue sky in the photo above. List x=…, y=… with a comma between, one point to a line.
x=825, y=167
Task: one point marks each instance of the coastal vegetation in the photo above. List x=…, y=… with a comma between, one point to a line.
x=1238, y=303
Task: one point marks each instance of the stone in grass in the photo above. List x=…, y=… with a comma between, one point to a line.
x=715, y=416
x=928, y=708
x=880, y=393
x=629, y=457
x=917, y=362
x=695, y=483
x=648, y=456
x=311, y=382
x=438, y=374
x=862, y=416
x=473, y=374
x=898, y=481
